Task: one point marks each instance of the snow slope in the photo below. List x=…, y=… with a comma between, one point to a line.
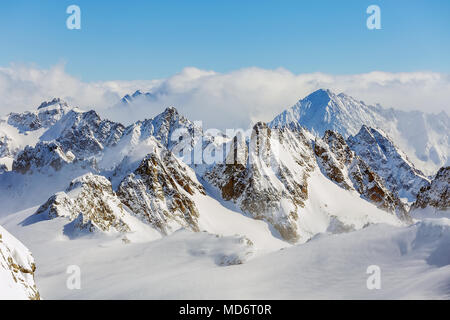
x=413, y=261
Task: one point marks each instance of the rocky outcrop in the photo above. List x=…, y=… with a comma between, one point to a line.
x=84, y=134
x=17, y=268
x=43, y=155
x=90, y=204
x=159, y=192
x=46, y=115
x=267, y=176
x=388, y=161
x=168, y=128
x=18, y=130
x=340, y=164
x=437, y=194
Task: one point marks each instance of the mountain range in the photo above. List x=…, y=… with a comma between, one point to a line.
x=328, y=165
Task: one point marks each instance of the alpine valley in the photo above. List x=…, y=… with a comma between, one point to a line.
x=296, y=208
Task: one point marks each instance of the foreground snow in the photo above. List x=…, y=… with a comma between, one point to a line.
x=414, y=264
x=16, y=269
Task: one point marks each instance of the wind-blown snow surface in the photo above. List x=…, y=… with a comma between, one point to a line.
x=423, y=137
x=413, y=260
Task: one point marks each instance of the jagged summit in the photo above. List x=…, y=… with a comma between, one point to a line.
x=55, y=101
x=169, y=112
x=46, y=115
x=436, y=194
x=130, y=98
x=376, y=148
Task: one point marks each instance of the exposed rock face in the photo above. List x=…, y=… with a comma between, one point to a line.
x=90, y=204
x=169, y=129
x=48, y=114
x=17, y=269
x=334, y=156
x=339, y=163
x=164, y=127
x=165, y=124
x=17, y=130
x=437, y=194
x=389, y=162
x=84, y=133
x=160, y=191
x=44, y=154
x=265, y=179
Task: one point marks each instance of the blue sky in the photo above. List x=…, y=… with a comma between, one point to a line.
x=153, y=39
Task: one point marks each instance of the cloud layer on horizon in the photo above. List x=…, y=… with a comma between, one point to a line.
x=221, y=100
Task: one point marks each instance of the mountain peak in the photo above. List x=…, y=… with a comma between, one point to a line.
x=169, y=114
x=322, y=96
x=365, y=132
x=171, y=110
x=130, y=98
x=53, y=102
x=136, y=93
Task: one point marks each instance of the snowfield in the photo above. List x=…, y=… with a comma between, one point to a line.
x=413, y=260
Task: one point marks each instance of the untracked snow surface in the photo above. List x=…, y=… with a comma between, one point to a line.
x=413, y=260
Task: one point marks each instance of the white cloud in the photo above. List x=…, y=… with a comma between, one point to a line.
x=222, y=100
x=24, y=87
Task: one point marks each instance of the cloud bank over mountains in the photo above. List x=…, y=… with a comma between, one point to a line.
x=221, y=100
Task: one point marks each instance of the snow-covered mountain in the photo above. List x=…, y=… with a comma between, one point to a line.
x=138, y=94
x=18, y=130
x=17, y=268
x=424, y=137
x=89, y=204
x=274, y=176
x=160, y=192
x=340, y=164
x=437, y=194
x=388, y=161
